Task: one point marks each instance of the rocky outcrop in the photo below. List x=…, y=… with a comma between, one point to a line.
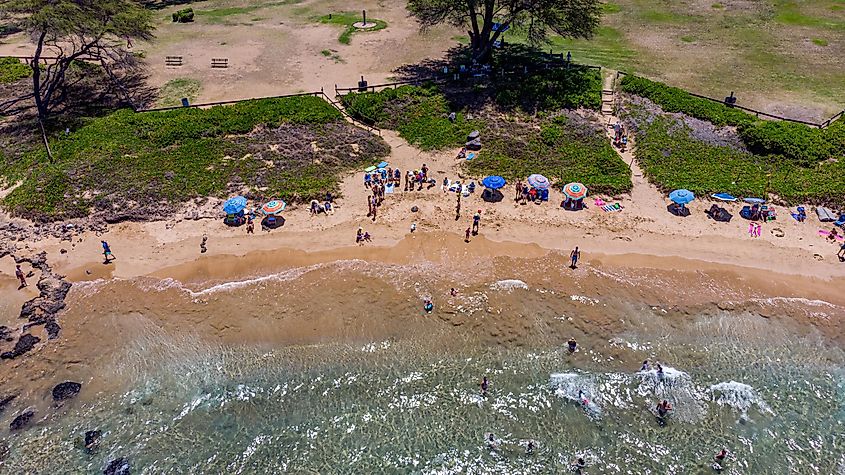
x=25, y=343
x=118, y=466
x=22, y=420
x=66, y=390
x=41, y=310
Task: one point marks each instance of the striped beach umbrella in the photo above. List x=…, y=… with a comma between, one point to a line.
x=575, y=191
x=538, y=181
x=273, y=207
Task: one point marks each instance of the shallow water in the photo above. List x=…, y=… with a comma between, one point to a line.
x=403, y=407
x=411, y=403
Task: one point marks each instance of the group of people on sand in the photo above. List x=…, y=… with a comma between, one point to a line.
x=526, y=194
x=361, y=237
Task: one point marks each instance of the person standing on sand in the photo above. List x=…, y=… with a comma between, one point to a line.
x=250, y=227
x=841, y=253
x=573, y=257
x=107, y=252
x=476, y=219
x=467, y=235
x=20, y=276
x=518, y=191
x=458, y=208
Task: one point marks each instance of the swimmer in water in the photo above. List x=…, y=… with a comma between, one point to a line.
x=428, y=306
x=485, y=383
x=645, y=366
x=719, y=460
x=663, y=408
x=573, y=345
x=453, y=292
x=659, y=370
x=579, y=465
x=529, y=449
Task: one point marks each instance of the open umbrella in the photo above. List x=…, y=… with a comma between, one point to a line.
x=494, y=182
x=681, y=196
x=538, y=181
x=234, y=205
x=575, y=191
x=273, y=207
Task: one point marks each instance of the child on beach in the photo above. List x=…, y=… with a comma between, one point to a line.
x=467, y=235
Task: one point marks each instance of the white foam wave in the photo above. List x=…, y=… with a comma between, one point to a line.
x=509, y=284
x=579, y=389
x=739, y=396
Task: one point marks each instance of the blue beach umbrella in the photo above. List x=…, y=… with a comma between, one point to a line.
x=493, y=182
x=234, y=205
x=682, y=196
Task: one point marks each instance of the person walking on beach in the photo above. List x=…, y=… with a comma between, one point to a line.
x=20, y=276
x=466, y=239
x=107, y=252
x=485, y=384
x=476, y=219
x=841, y=253
x=574, y=256
x=458, y=208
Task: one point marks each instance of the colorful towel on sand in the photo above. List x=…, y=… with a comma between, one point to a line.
x=470, y=156
x=825, y=233
x=612, y=207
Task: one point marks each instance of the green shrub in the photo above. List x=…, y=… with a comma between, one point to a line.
x=143, y=160
x=672, y=159
x=673, y=99
x=804, y=145
x=184, y=16
x=419, y=114
x=550, y=90
x=561, y=151
x=12, y=70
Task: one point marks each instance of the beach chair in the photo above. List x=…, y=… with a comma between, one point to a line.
x=841, y=221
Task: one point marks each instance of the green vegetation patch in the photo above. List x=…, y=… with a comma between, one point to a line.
x=13, y=70
x=348, y=19
x=551, y=89
x=820, y=42
x=672, y=158
x=673, y=99
x=419, y=114
x=220, y=15
x=564, y=149
x=173, y=91
x=143, y=164
x=801, y=144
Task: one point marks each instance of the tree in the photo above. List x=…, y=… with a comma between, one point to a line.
x=568, y=18
x=67, y=32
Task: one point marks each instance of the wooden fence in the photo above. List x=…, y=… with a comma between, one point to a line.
x=759, y=114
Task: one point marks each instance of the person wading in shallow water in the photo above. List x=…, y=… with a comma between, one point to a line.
x=485, y=384
x=107, y=252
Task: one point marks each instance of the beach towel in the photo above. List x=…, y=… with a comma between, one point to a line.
x=388, y=188
x=369, y=169
x=470, y=156
x=611, y=207
x=723, y=197
x=825, y=215
x=599, y=202
x=825, y=233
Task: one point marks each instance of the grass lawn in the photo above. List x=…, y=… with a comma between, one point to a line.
x=222, y=14
x=173, y=91
x=782, y=56
x=347, y=20
x=140, y=163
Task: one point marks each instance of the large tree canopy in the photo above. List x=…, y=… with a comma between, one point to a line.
x=536, y=18
x=65, y=32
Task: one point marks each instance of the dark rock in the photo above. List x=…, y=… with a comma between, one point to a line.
x=414, y=209
x=6, y=400
x=24, y=344
x=5, y=333
x=53, y=329
x=22, y=420
x=118, y=466
x=66, y=390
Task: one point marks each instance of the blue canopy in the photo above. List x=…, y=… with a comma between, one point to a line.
x=754, y=201
x=681, y=196
x=493, y=182
x=234, y=205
